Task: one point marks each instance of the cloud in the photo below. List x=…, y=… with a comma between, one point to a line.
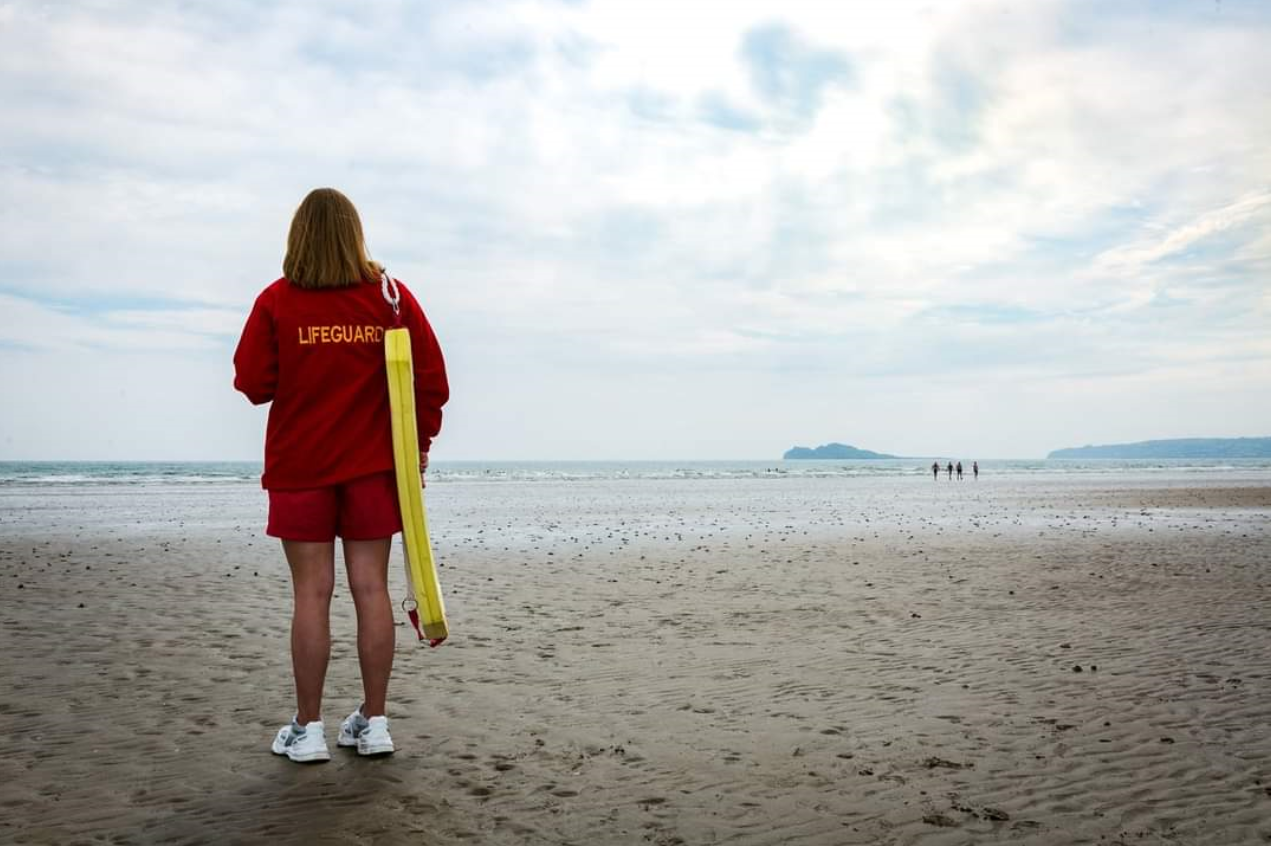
x=1132, y=258
x=875, y=193
x=56, y=328
x=790, y=73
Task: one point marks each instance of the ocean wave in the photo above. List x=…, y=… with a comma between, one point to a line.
x=48, y=474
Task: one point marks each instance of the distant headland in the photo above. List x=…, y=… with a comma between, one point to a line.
x=1177, y=448
x=833, y=451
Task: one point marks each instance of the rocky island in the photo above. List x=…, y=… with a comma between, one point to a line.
x=833, y=451
x=1176, y=448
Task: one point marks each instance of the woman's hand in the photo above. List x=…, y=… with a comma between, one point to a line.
x=423, y=467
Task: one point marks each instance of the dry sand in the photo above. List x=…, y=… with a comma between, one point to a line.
x=823, y=661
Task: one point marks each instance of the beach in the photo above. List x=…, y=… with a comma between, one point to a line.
x=820, y=660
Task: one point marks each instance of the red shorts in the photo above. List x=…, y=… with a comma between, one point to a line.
x=364, y=508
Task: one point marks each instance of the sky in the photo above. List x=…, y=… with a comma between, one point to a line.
x=652, y=230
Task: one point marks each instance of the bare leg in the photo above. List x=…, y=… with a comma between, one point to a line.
x=313, y=567
x=368, y=564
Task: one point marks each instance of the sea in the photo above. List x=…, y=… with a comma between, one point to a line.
x=49, y=474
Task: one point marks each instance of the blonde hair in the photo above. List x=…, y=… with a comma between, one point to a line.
x=325, y=248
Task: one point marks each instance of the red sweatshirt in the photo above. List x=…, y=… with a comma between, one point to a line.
x=318, y=353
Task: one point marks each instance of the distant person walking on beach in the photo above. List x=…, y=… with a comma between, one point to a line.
x=314, y=346
x=936, y=468
x=958, y=468
x=950, y=470
x=975, y=471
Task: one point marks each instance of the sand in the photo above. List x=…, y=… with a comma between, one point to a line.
x=821, y=661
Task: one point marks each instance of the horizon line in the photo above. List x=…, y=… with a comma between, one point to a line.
x=946, y=456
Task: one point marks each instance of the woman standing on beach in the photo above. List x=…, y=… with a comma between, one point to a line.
x=314, y=346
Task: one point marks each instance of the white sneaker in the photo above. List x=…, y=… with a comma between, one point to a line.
x=371, y=736
x=374, y=739
x=303, y=744
x=352, y=726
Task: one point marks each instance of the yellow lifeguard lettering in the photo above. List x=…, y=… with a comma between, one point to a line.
x=307, y=335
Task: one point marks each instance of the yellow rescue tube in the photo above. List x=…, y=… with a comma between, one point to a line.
x=424, y=605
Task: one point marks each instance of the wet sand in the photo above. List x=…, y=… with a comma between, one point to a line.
x=822, y=661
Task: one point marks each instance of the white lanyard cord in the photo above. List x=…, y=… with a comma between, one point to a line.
x=389, y=288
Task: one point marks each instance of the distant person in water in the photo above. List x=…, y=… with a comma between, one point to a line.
x=958, y=468
x=949, y=470
x=975, y=471
x=936, y=468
